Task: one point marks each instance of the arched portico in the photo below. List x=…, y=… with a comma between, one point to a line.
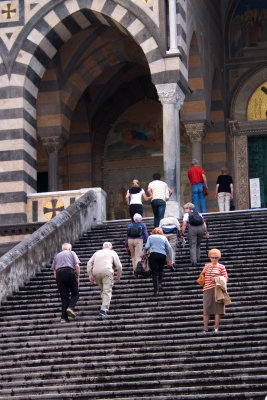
x=38, y=45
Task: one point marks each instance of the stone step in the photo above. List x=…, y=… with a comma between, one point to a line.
x=130, y=389
x=147, y=347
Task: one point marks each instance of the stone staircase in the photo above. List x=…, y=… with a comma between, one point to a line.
x=147, y=348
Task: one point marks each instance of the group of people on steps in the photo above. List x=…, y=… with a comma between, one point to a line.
x=104, y=267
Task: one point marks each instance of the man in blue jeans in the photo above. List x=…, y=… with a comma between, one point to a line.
x=160, y=192
x=198, y=181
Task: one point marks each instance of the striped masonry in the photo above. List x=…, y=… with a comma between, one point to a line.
x=214, y=143
x=33, y=54
x=194, y=107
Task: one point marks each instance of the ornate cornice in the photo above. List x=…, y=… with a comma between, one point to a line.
x=247, y=128
x=170, y=93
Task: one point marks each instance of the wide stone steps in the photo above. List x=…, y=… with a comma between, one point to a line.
x=147, y=347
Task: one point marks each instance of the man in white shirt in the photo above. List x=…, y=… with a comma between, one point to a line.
x=160, y=192
x=100, y=270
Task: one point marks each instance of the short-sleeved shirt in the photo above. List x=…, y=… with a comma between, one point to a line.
x=159, y=190
x=136, y=198
x=186, y=216
x=65, y=258
x=224, y=182
x=211, y=272
x=170, y=223
x=195, y=175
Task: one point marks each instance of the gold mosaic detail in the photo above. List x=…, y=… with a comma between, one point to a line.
x=257, y=105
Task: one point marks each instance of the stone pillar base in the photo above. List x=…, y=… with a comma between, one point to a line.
x=173, y=208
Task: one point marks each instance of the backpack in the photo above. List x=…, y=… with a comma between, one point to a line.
x=195, y=218
x=171, y=229
x=135, y=230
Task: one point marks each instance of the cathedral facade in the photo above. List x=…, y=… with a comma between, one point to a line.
x=95, y=93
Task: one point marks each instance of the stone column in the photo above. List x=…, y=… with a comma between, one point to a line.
x=52, y=145
x=196, y=132
x=241, y=179
x=173, y=28
x=171, y=97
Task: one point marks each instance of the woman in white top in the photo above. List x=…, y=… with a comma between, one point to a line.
x=134, y=198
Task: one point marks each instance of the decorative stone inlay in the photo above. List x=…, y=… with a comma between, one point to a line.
x=10, y=12
x=170, y=93
x=195, y=130
x=52, y=208
x=241, y=173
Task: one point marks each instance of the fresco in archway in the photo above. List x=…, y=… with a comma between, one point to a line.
x=133, y=150
x=248, y=29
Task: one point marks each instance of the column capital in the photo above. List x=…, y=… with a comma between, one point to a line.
x=170, y=93
x=195, y=130
x=52, y=144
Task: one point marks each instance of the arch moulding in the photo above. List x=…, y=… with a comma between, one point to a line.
x=240, y=129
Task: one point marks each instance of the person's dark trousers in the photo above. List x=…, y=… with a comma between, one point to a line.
x=156, y=263
x=67, y=284
x=158, y=208
x=135, y=208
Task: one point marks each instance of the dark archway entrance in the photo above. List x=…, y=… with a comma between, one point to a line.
x=98, y=76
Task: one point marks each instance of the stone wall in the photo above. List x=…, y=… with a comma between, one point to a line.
x=24, y=260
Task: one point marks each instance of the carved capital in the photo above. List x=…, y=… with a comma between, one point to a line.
x=195, y=130
x=234, y=128
x=170, y=93
x=52, y=144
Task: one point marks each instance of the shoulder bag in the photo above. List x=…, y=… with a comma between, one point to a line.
x=201, y=279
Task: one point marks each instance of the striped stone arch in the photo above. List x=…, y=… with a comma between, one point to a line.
x=22, y=69
x=50, y=32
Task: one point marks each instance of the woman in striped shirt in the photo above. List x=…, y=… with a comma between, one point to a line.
x=211, y=271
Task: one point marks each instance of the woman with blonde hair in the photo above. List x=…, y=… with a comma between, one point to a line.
x=134, y=198
x=210, y=306
x=159, y=246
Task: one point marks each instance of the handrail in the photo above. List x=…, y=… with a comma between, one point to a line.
x=37, y=250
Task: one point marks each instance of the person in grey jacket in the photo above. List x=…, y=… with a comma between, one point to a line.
x=160, y=247
x=100, y=269
x=195, y=233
